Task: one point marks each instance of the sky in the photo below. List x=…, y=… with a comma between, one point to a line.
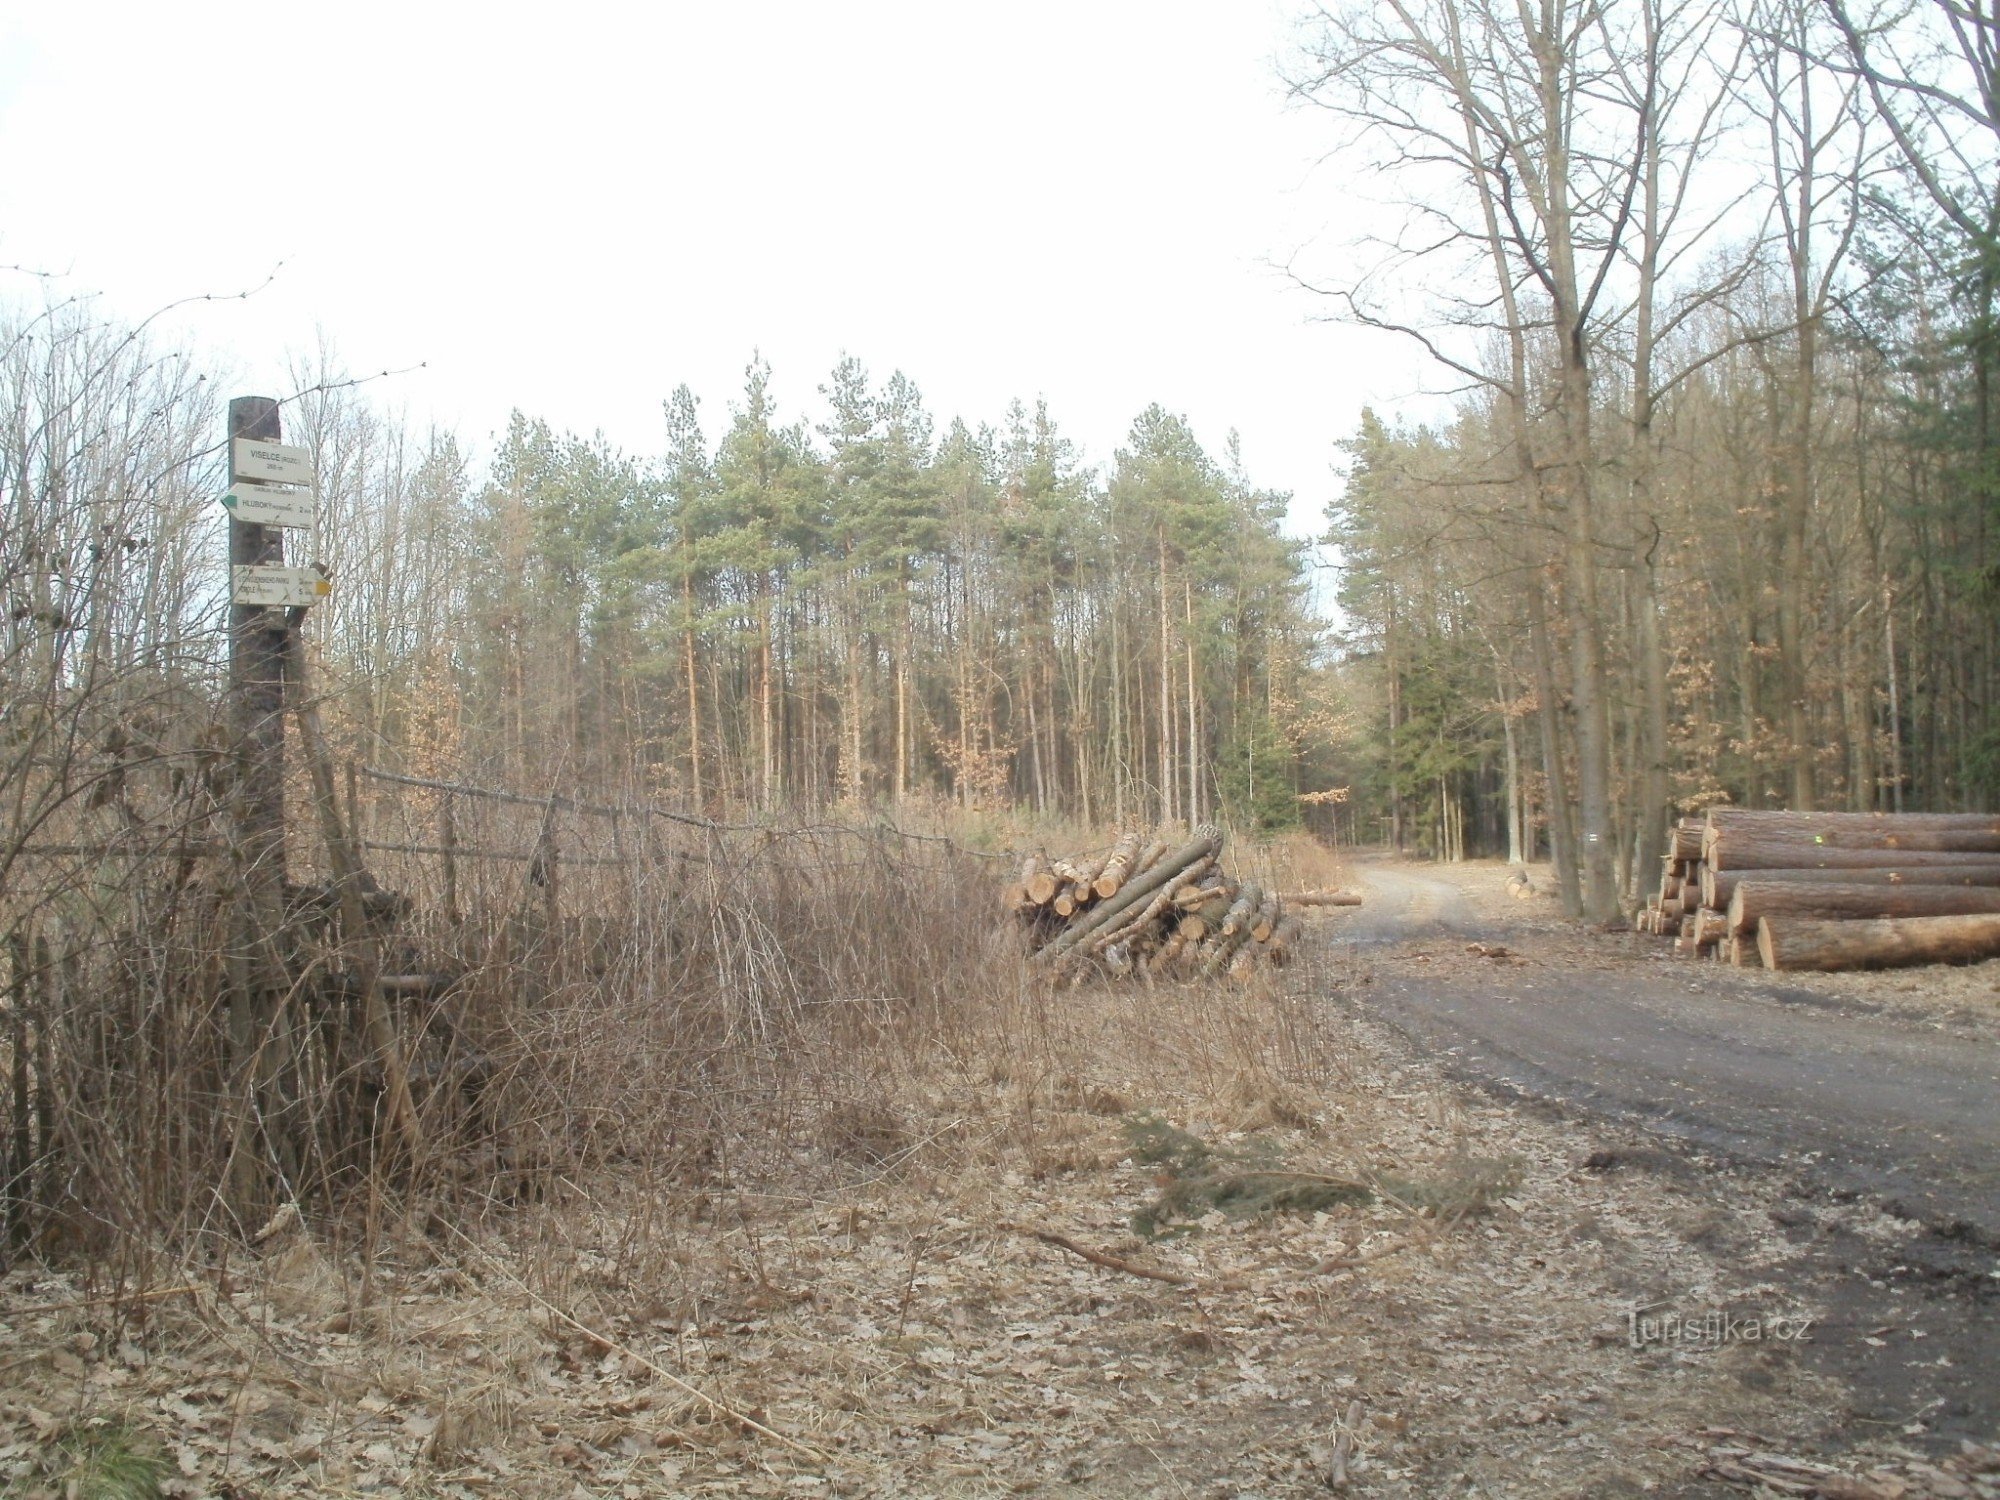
x=571, y=209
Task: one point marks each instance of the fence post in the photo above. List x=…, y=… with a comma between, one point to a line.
x=448, y=840
x=16, y=1185
x=545, y=870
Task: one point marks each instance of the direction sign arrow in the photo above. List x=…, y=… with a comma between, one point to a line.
x=274, y=463
x=277, y=587
x=265, y=505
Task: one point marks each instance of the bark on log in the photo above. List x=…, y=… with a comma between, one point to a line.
x=1118, y=867
x=1266, y=921
x=1221, y=948
x=1277, y=949
x=1206, y=844
x=1940, y=832
x=1321, y=898
x=1091, y=866
x=1243, y=909
x=1709, y=928
x=1168, y=952
x=1719, y=886
x=1755, y=899
x=1761, y=849
x=1127, y=929
x=1151, y=855
x=1216, y=907
x=1794, y=943
x=1748, y=817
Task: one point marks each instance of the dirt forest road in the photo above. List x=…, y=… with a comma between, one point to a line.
x=1882, y=1089
x=1759, y=1071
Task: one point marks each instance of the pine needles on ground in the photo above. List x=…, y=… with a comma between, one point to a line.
x=1465, y=1186
x=1198, y=1177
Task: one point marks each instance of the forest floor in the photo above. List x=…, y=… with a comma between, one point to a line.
x=860, y=1305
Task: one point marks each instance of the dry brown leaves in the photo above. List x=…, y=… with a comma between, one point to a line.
x=884, y=1320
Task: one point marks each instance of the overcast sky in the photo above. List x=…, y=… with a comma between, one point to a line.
x=572, y=208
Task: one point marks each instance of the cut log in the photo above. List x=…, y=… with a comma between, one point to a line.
x=1283, y=940
x=1755, y=899
x=1152, y=854
x=1977, y=833
x=1065, y=902
x=1793, y=943
x=1321, y=898
x=1750, y=817
x=1687, y=840
x=1041, y=883
x=1759, y=849
x=1719, y=886
x=1130, y=928
x=1243, y=909
x=1118, y=866
x=1708, y=928
x=1168, y=952
x=1193, y=927
x=1193, y=897
x=1220, y=949
x=1266, y=921
x=1206, y=844
x=1216, y=907
x=1088, y=869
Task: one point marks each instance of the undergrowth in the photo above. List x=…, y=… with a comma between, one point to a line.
x=92, y=1461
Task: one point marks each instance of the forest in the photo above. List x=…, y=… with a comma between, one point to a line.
x=844, y=946
x=1705, y=515
x=1710, y=517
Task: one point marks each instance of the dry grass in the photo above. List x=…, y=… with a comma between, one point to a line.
x=836, y=1296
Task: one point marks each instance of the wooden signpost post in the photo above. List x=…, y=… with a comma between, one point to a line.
x=270, y=491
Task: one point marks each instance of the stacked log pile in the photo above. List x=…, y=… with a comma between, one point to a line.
x=1155, y=907
x=1831, y=890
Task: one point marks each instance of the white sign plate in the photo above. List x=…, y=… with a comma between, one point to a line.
x=277, y=587
x=274, y=463
x=266, y=505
